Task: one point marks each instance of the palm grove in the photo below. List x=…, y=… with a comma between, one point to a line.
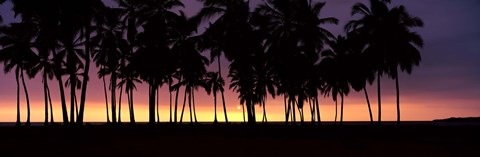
x=279, y=48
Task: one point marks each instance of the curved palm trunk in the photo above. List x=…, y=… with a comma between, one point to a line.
x=176, y=105
x=51, y=105
x=250, y=113
x=243, y=110
x=113, y=85
x=120, y=105
x=264, y=111
x=285, y=105
x=27, y=98
x=398, y=98
x=379, y=100
x=287, y=114
x=46, y=97
x=368, y=103
x=312, y=109
x=106, y=98
x=158, y=99
x=221, y=90
x=293, y=111
x=18, y=123
x=224, y=107
x=76, y=107
x=184, y=101
x=58, y=76
x=132, y=112
x=341, y=109
x=215, y=107
x=170, y=98
x=83, y=95
x=336, y=111
x=318, y=110
x=190, y=104
x=194, y=109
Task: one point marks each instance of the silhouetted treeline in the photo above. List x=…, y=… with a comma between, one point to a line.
x=280, y=48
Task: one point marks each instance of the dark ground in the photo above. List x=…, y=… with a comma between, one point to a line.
x=412, y=139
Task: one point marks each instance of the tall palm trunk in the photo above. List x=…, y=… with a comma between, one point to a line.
x=221, y=90
x=194, y=109
x=243, y=110
x=250, y=113
x=157, y=110
x=368, y=103
x=72, y=98
x=285, y=106
x=58, y=75
x=176, y=105
x=26, y=97
x=398, y=97
x=215, y=107
x=176, y=101
x=120, y=105
x=51, y=105
x=106, y=98
x=379, y=99
x=83, y=95
x=45, y=92
x=18, y=123
x=264, y=111
x=318, y=110
x=113, y=96
x=336, y=111
x=151, y=102
x=341, y=108
x=132, y=112
x=184, y=101
x=311, y=103
x=287, y=114
x=293, y=110
x=190, y=104
x=170, y=97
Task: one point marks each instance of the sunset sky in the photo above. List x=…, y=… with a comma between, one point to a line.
x=446, y=84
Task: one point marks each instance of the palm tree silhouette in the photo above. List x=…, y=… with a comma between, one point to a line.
x=295, y=36
x=230, y=13
x=111, y=48
x=213, y=84
x=153, y=54
x=371, y=25
x=128, y=78
x=46, y=17
x=391, y=42
x=334, y=68
x=17, y=53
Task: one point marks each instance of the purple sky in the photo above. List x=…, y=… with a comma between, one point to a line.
x=447, y=83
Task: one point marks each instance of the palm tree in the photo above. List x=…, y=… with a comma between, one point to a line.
x=128, y=78
x=48, y=67
x=403, y=44
x=153, y=54
x=391, y=43
x=232, y=17
x=110, y=49
x=361, y=70
x=46, y=17
x=17, y=53
x=370, y=25
x=295, y=36
x=214, y=83
x=89, y=11
x=334, y=71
